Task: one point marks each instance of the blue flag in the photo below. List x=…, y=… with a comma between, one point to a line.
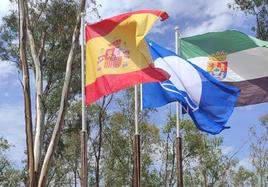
x=210, y=102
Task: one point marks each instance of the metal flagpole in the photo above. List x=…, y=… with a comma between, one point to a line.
x=83, y=134
x=136, y=145
x=179, y=169
x=141, y=103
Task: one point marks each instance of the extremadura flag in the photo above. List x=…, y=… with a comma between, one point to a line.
x=234, y=58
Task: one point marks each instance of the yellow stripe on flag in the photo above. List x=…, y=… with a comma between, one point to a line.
x=117, y=53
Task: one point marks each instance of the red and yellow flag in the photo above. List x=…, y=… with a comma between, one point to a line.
x=117, y=56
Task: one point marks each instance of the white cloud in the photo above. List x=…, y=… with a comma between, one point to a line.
x=218, y=23
x=215, y=8
x=161, y=27
x=227, y=149
x=13, y=129
x=6, y=69
x=8, y=72
x=246, y=163
x=5, y=6
x=216, y=16
x=178, y=8
x=201, y=16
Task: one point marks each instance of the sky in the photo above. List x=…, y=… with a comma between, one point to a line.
x=192, y=17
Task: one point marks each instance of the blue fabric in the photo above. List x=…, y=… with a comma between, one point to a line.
x=217, y=100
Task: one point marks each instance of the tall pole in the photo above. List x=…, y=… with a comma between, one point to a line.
x=136, y=145
x=141, y=103
x=83, y=134
x=179, y=168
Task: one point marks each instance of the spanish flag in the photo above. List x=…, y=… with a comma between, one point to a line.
x=117, y=55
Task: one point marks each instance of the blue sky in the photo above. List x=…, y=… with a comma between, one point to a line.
x=192, y=17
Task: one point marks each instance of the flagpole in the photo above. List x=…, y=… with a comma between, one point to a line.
x=83, y=133
x=179, y=168
x=136, y=145
x=141, y=103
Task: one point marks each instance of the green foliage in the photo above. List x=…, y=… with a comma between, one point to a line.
x=52, y=23
x=259, y=9
x=117, y=145
x=204, y=163
x=244, y=177
x=9, y=38
x=259, y=150
x=9, y=176
x=65, y=167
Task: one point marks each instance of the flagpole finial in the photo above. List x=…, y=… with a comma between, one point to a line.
x=176, y=28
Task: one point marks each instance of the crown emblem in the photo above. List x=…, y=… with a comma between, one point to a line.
x=218, y=56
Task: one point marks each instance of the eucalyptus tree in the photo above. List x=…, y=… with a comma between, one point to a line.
x=117, y=154
x=204, y=163
x=259, y=9
x=52, y=35
x=243, y=177
x=259, y=150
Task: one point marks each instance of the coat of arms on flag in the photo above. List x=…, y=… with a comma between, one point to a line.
x=114, y=56
x=217, y=65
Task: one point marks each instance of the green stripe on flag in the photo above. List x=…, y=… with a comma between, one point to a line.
x=229, y=41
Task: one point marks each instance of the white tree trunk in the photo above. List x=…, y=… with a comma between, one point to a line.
x=39, y=105
x=64, y=101
x=39, y=93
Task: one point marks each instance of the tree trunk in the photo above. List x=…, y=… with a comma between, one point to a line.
x=26, y=94
x=39, y=104
x=98, y=154
x=64, y=101
x=39, y=93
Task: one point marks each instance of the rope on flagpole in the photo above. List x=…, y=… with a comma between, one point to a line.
x=141, y=97
x=136, y=144
x=136, y=110
x=84, y=127
x=83, y=134
x=179, y=168
x=178, y=105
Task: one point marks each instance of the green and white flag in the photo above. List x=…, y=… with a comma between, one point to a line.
x=234, y=58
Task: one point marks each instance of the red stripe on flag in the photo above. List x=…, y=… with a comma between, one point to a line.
x=108, y=84
x=104, y=27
